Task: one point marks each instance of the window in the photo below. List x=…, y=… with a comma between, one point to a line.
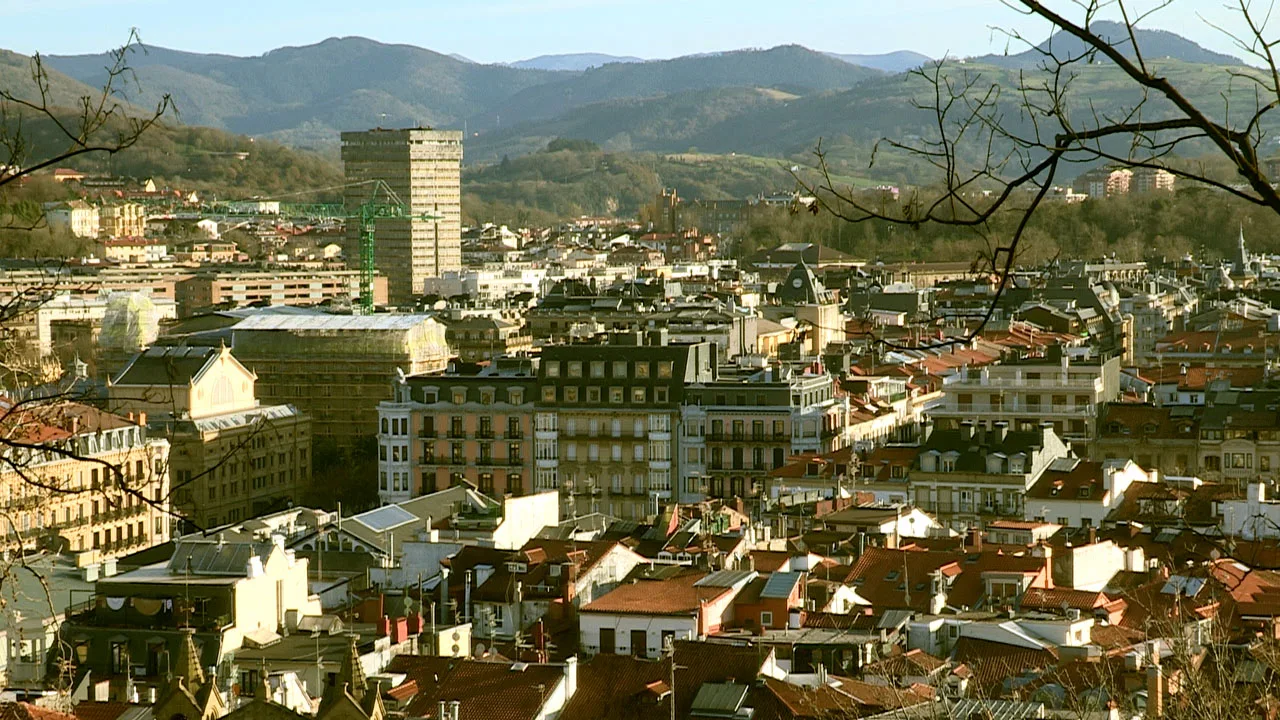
x=620, y=368
x=384, y=426
x=571, y=394
x=637, y=428
x=660, y=395
x=1212, y=462
x=665, y=368
x=1264, y=463
x=553, y=369
x=642, y=370
x=593, y=395
x=616, y=454
x=548, y=394
x=597, y=368
x=639, y=395
x=766, y=619
x=639, y=453
x=615, y=395
x=575, y=369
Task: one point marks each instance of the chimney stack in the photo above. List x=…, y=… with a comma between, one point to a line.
x=1155, y=688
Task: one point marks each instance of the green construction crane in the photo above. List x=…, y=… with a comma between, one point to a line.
x=367, y=213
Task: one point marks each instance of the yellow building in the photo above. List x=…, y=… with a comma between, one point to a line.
x=121, y=221
x=98, y=489
x=232, y=458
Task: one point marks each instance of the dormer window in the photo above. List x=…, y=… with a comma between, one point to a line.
x=1150, y=428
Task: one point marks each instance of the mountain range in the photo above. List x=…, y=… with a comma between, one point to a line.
x=775, y=102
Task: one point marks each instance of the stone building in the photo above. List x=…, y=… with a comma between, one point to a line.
x=232, y=458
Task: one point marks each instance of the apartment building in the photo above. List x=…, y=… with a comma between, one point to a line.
x=738, y=427
x=476, y=339
x=1028, y=393
x=125, y=220
x=206, y=602
x=472, y=425
x=970, y=475
x=607, y=420
x=220, y=288
x=98, y=488
x=423, y=167
x=74, y=217
x=231, y=459
x=336, y=368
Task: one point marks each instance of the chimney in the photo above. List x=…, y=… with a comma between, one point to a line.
x=966, y=430
x=999, y=432
x=1093, y=535
x=977, y=539
x=455, y=708
x=442, y=710
x=570, y=676
x=1043, y=550
x=1155, y=688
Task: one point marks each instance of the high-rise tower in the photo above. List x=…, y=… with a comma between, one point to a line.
x=424, y=168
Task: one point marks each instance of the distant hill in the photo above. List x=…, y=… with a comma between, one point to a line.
x=307, y=95
x=894, y=62
x=574, y=62
x=791, y=68
x=15, y=76
x=1154, y=44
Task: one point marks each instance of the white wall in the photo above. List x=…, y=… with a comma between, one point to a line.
x=589, y=625
x=524, y=517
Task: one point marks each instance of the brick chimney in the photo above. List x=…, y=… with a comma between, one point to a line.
x=1043, y=550
x=1155, y=689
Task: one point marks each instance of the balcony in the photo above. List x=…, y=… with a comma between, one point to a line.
x=514, y=435
x=484, y=434
x=457, y=434
x=427, y=433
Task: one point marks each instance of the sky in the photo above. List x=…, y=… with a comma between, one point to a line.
x=509, y=30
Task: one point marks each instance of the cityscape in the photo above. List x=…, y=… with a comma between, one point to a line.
x=366, y=381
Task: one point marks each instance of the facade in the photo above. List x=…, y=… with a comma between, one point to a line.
x=442, y=430
x=131, y=249
x=1152, y=180
x=607, y=420
x=238, y=288
x=337, y=368
x=738, y=427
x=75, y=217
x=211, y=593
x=423, y=167
x=126, y=220
x=1028, y=393
x=232, y=459
x=112, y=494
x=968, y=476
x=477, y=339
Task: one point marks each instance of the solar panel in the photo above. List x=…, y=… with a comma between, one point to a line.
x=385, y=518
x=213, y=558
x=724, y=578
x=780, y=585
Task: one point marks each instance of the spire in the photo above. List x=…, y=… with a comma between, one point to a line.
x=352, y=671
x=187, y=666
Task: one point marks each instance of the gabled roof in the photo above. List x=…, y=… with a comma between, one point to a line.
x=173, y=365
x=679, y=595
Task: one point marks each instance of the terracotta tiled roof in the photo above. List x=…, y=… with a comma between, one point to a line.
x=993, y=662
x=674, y=596
x=27, y=711
x=909, y=664
x=881, y=576
x=1058, y=598
x=490, y=690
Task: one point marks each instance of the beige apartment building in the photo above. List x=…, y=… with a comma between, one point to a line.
x=423, y=167
x=219, y=288
x=1027, y=394
x=112, y=490
x=232, y=458
x=126, y=220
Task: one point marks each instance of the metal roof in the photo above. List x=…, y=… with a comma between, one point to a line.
x=725, y=578
x=719, y=699
x=781, y=584
x=385, y=518
x=332, y=323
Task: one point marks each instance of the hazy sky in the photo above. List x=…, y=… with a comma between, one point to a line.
x=506, y=30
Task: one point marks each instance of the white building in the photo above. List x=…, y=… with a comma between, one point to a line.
x=76, y=217
x=1079, y=493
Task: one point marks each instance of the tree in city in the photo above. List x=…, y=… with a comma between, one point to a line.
x=999, y=142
